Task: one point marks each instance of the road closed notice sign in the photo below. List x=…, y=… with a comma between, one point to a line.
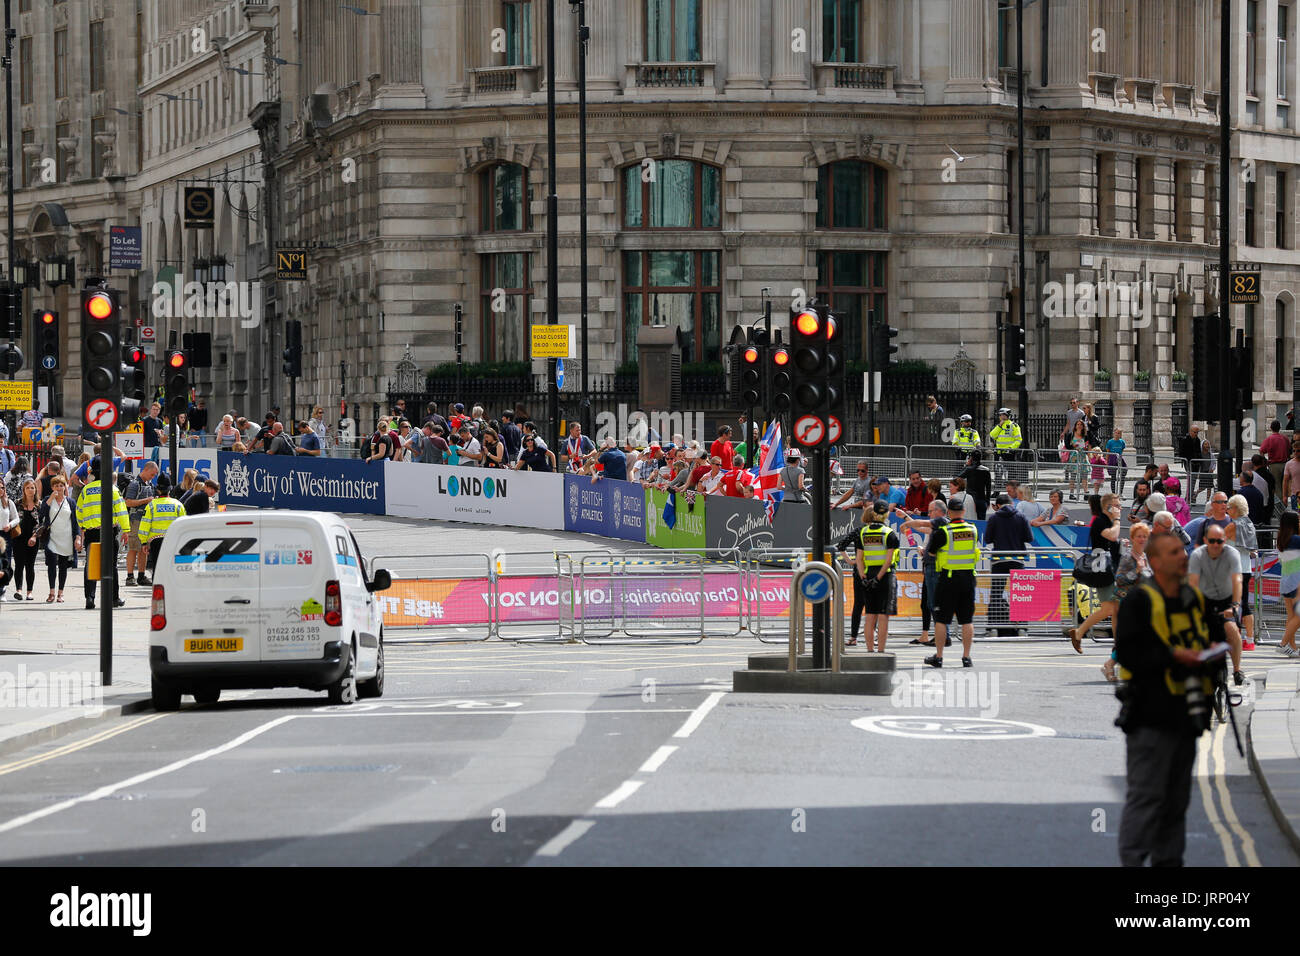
x=552, y=341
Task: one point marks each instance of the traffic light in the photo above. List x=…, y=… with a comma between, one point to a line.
x=1205, y=367
x=1243, y=376
x=818, y=375
x=780, y=394
x=101, y=358
x=884, y=349
x=47, y=338
x=133, y=377
x=460, y=328
x=11, y=310
x=177, y=381
x=293, y=351
x=1015, y=359
x=751, y=376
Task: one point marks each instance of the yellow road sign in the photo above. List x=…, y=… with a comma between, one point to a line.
x=552, y=341
x=15, y=396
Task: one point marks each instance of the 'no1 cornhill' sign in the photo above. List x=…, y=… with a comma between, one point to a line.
x=291, y=264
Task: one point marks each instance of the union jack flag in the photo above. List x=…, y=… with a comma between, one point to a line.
x=771, y=458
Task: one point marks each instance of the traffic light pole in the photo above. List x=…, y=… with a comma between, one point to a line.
x=871, y=381
x=107, y=555
x=1226, y=223
x=172, y=453
x=552, y=227
x=9, y=164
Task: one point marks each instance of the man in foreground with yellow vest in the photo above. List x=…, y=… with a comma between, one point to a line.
x=1167, y=644
x=956, y=549
x=88, y=505
x=873, y=575
x=159, y=514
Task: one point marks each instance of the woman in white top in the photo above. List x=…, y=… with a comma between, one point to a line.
x=1241, y=535
x=62, y=536
x=709, y=483
x=8, y=520
x=227, y=434
x=317, y=423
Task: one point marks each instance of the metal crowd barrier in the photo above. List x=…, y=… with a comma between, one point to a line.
x=641, y=591
x=420, y=593
x=892, y=461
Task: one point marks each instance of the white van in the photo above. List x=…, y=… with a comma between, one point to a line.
x=264, y=599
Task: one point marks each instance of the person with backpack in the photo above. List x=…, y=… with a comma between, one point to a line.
x=1175, y=504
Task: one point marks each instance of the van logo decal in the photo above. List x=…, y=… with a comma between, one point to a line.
x=236, y=485
x=312, y=610
x=286, y=557
x=217, y=550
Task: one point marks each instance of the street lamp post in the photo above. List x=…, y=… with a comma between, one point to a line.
x=1225, y=220
x=552, y=226
x=584, y=33
x=9, y=161
x=1023, y=397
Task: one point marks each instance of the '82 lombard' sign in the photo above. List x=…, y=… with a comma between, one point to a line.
x=307, y=484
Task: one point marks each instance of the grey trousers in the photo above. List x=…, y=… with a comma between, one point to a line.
x=1154, y=824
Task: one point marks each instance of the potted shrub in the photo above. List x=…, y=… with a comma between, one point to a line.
x=1180, y=381
x=1101, y=380
x=625, y=378
x=702, y=378
x=1142, y=380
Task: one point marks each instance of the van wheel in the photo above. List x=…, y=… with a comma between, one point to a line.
x=208, y=695
x=344, y=690
x=375, y=686
x=164, y=697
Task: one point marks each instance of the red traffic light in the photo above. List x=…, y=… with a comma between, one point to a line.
x=47, y=317
x=99, y=307
x=807, y=323
x=176, y=359
x=751, y=355
x=780, y=357
x=135, y=355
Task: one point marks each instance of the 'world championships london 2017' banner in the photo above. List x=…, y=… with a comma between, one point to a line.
x=307, y=484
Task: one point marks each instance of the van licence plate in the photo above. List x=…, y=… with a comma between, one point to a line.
x=213, y=645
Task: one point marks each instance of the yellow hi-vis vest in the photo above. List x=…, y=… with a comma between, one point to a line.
x=873, y=548
x=88, y=507
x=967, y=439
x=961, y=548
x=1177, y=630
x=158, y=517
x=1006, y=436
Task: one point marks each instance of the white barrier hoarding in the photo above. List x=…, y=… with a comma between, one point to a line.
x=520, y=499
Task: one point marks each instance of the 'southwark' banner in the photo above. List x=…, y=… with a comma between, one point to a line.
x=519, y=499
x=615, y=509
x=740, y=524
x=342, y=486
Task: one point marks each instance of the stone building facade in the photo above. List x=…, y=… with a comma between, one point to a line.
x=862, y=149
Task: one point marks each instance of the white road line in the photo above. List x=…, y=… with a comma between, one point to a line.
x=657, y=759
x=108, y=791
x=697, y=717
x=561, y=841
x=625, y=790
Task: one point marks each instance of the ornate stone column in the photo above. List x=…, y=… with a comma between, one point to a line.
x=967, y=42
x=605, y=48
x=743, y=46
x=1068, y=40
x=790, y=67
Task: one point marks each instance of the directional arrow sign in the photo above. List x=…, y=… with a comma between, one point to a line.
x=815, y=586
x=559, y=375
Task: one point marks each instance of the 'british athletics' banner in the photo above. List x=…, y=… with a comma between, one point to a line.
x=615, y=509
x=339, y=485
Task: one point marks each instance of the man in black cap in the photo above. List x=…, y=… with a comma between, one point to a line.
x=957, y=552
x=1006, y=533
x=979, y=483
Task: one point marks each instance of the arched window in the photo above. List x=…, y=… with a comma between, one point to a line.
x=671, y=194
x=851, y=195
x=503, y=198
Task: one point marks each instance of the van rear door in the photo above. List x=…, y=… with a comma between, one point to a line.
x=213, y=599
x=295, y=567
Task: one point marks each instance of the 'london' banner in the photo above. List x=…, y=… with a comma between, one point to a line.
x=339, y=485
x=518, y=499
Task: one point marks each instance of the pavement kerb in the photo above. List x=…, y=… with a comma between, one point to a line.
x=72, y=720
x=1274, y=754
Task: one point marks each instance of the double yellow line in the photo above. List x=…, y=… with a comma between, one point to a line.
x=79, y=745
x=1229, y=829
